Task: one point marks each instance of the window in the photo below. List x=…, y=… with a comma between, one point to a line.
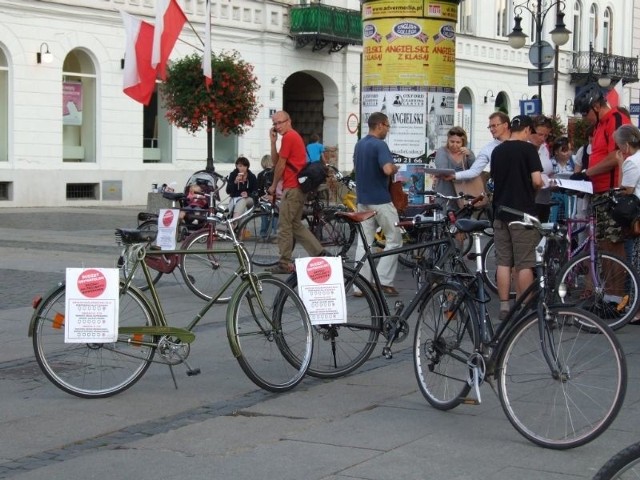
x=4, y=107
x=465, y=15
x=78, y=108
x=577, y=31
x=593, y=21
x=156, y=133
x=503, y=18
x=606, y=31
x=225, y=148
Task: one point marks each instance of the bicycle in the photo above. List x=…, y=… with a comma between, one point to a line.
x=340, y=349
x=623, y=465
x=560, y=371
x=267, y=327
x=595, y=280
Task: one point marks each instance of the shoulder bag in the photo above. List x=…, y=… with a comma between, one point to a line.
x=399, y=198
x=473, y=187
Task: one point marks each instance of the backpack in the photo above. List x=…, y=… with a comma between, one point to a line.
x=312, y=176
x=625, y=210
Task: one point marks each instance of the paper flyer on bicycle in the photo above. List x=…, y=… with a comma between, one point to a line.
x=91, y=309
x=167, y=227
x=321, y=288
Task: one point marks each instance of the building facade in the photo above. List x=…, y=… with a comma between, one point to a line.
x=69, y=136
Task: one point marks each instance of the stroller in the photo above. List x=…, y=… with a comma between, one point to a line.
x=210, y=183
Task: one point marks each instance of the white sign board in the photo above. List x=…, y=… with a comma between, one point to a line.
x=92, y=303
x=167, y=227
x=321, y=288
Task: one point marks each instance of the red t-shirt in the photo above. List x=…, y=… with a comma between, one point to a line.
x=292, y=148
x=601, y=145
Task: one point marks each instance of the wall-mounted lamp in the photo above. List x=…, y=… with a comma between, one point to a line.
x=568, y=105
x=488, y=95
x=274, y=79
x=46, y=56
x=605, y=80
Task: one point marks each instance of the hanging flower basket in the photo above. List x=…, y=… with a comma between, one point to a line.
x=230, y=100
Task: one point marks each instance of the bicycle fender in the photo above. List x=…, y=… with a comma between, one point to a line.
x=36, y=311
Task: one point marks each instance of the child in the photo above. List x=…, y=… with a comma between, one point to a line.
x=195, y=200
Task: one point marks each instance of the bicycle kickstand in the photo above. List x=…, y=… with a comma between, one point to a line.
x=477, y=372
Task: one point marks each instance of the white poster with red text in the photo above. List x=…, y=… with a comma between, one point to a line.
x=167, y=227
x=91, y=309
x=321, y=288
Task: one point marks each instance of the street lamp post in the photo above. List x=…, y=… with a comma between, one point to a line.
x=541, y=53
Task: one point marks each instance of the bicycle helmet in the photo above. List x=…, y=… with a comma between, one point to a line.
x=586, y=97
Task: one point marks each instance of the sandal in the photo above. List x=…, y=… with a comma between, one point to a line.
x=389, y=290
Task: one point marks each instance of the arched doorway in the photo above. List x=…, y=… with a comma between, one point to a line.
x=303, y=99
x=464, y=113
x=502, y=103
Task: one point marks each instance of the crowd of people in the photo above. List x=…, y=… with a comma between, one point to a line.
x=521, y=160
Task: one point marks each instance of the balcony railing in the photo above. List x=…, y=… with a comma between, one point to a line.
x=325, y=26
x=595, y=64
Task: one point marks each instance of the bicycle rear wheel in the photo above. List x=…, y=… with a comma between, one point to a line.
x=138, y=279
x=270, y=333
x=341, y=348
x=336, y=236
x=206, y=272
x=624, y=465
x=616, y=297
x=92, y=370
x=578, y=400
x=491, y=268
x=446, y=336
x=262, y=238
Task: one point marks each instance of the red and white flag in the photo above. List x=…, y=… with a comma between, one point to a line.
x=139, y=79
x=206, y=58
x=169, y=22
x=615, y=95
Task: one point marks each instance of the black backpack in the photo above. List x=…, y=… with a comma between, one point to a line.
x=312, y=176
x=625, y=210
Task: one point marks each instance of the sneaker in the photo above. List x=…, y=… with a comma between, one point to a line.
x=389, y=290
x=281, y=269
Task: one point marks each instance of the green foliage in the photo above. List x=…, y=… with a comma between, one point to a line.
x=231, y=100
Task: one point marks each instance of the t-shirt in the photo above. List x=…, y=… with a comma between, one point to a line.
x=631, y=173
x=369, y=157
x=512, y=163
x=601, y=145
x=292, y=148
x=314, y=152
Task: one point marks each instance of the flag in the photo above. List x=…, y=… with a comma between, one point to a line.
x=615, y=95
x=139, y=79
x=206, y=58
x=169, y=22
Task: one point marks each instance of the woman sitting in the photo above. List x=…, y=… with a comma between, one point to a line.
x=242, y=185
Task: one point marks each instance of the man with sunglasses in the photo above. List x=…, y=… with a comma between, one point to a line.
x=288, y=161
x=604, y=168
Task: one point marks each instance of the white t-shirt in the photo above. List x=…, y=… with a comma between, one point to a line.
x=631, y=173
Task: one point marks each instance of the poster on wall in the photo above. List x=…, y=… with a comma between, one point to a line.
x=416, y=51
x=71, y=103
x=440, y=117
x=406, y=109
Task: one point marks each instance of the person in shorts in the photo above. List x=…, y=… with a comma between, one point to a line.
x=516, y=173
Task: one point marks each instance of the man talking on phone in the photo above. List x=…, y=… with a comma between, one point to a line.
x=287, y=162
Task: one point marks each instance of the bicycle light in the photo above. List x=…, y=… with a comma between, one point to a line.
x=562, y=290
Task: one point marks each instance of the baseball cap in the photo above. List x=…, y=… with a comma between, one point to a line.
x=520, y=122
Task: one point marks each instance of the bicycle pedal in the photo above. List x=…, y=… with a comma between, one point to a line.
x=469, y=401
x=193, y=372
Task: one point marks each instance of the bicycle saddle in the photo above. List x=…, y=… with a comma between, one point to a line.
x=127, y=236
x=469, y=225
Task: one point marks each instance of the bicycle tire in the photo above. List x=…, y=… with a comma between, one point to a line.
x=93, y=370
x=624, y=465
x=604, y=302
x=206, y=273
x=339, y=349
x=262, y=241
x=489, y=269
x=273, y=352
x=444, y=341
x=335, y=235
x=571, y=408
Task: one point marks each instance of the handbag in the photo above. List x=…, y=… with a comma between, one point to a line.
x=473, y=187
x=399, y=198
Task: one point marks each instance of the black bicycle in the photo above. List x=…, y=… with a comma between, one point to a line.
x=560, y=371
x=624, y=465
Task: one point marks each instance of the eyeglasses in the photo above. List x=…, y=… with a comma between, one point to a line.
x=275, y=124
x=495, y=125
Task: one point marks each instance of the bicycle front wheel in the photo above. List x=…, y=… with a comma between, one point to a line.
x=614, y=296
x=341, y=348
x=205, y=272
x=573, y=400
x=92, y=370
x=270, y=333
x=624, y=465
x=445, y=339
x=261, y=238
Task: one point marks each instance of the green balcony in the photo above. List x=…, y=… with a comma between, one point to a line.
x=323, y=26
